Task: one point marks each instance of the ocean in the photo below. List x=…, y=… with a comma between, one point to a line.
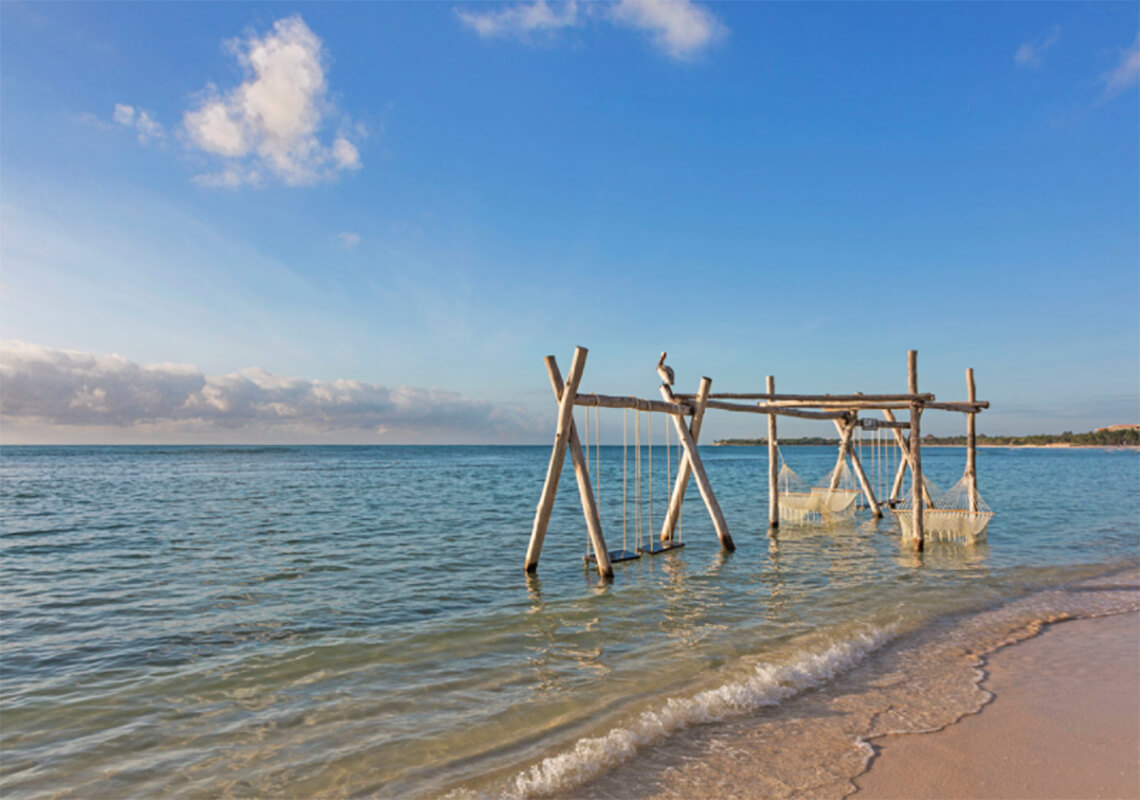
x=335, y=622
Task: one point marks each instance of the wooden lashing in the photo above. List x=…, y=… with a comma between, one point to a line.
x=698, y=467
x=566, y=435
x=685, y=470
x=773, y=465
x=917, y=503
x=971, y=443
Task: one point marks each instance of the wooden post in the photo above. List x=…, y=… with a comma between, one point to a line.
x=677, y=498
x=557, y=457
x=971, y=443
x=845, y=431
x=694, y=459
x=916, y=451
x=582, y=472
x=865, y=484
x=904, y=446
x=896, y=487
x=773, y=466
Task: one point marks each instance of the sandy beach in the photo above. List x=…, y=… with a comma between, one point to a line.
x=1064, y=723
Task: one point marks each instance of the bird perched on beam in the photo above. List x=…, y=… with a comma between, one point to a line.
x=665, y=371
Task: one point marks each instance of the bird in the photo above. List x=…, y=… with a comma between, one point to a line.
x=665, y=371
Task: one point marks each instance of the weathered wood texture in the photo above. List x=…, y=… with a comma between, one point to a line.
x=773, y=465
x=804, y=399
x=582, y=473
x=971, y=443
x=916, y=451
x=557, y=456
x=904, y=463
x=685, y=470
x=698, y=467
x=864, y=484
x=611, y=401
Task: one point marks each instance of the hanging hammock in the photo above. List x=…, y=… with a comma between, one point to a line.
x=951, y=519
x=832, y=500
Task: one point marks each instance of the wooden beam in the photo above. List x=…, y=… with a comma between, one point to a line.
x=972, y=407
x=582, y=473
x=694, y=459
x=916, y=452
x=762, y=409
x=610, y=401
x=861, y=475
x=557, y=457
x=971, y=444
x=684, y=471
x=773, y=466
x=821, y=398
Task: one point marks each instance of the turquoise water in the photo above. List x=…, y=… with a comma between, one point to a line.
x=343, y=621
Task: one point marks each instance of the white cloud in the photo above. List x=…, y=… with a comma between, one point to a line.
x=1030, y=54
x=348, y=240
x=679, y=27
x=271, y=123
x=148, y=128
x=1126, y=73
x=41, y=386
x=521, y=20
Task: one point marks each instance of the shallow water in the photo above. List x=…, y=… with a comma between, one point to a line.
x=295, y=621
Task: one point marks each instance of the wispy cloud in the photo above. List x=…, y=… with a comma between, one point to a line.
x=1126, y=73
x=679, y=28
x=63, y=388
x=347, y=239
x=520, y=21
x=1030, y=55
x=148, y=129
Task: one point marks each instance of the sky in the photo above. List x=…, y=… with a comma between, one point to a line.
x=369, y=222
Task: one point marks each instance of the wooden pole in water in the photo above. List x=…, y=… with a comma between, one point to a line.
x=865, y=484
x=677, y=498
x=582, y=473
x=557, y=457
x=773, y=465
x=971, y=443
x=694, y=459
x=845, y=431
x=916, y=451
x=904, y=446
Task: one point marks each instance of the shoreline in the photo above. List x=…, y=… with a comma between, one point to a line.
x=1058, y=724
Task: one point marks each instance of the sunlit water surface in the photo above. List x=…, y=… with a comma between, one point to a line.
x=310, y=621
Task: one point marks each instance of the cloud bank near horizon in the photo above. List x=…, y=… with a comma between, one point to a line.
x=57, y=392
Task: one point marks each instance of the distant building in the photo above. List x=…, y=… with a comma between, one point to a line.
x=1127, y=426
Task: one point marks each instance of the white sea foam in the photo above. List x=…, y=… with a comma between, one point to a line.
x=768, y=685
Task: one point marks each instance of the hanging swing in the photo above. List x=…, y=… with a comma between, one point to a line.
x=624, y=554
x=653, y=545
x=831, y=500
x=953, y=518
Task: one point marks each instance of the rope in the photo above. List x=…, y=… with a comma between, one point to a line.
x=650, y=530
x=624, y=471
x=598, y=455
x=637, y=480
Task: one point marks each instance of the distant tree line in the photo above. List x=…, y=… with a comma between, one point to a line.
x=1103, y=438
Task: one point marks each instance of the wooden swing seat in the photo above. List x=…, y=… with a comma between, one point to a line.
x=615, y=556
x=653, y=548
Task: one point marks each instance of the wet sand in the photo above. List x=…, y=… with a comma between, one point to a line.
x=1064, y=723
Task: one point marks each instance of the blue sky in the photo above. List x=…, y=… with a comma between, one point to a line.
x=368, y=222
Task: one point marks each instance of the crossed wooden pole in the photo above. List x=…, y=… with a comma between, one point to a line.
x=566, y=437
